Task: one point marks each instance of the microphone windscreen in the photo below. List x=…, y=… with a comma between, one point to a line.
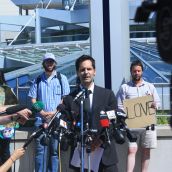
x=104, y=123
x=15, y=109
x=37, y=106
x=60, y=107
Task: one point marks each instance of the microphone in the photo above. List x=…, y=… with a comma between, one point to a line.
x=117, y=133
x=121, y=116
x=111, y=115
x=13, y=109
x=79, y=95
x=35, y=134
x=62, y=127
x=37, y=106
x=104, y=122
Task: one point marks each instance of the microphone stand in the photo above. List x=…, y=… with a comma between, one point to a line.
x=82, y=133
x=88, y=141
x=84, y=107
x=85, y=135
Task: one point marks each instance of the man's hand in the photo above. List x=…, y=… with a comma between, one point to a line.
x=47, y=115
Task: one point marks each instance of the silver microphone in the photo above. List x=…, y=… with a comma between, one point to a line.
x=79, y=95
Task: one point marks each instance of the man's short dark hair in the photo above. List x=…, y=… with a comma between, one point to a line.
x=84, y=58
x=136, y=63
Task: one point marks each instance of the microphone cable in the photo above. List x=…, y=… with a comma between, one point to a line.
x=60, y=165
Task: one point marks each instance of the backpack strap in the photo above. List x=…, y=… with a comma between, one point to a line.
x=60, y=80
x=38, y=80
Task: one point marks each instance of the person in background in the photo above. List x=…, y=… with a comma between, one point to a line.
x=23, y=117
x=137, y=87
x=7, y=97
x=49, y=88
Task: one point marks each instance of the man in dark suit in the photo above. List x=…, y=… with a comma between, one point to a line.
x=101, y=99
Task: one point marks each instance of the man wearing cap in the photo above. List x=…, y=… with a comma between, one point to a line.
x=50, y=90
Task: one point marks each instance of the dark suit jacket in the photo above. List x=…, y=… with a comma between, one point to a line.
x=103, y=99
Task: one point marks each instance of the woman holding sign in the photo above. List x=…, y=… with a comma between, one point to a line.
x=137, y=87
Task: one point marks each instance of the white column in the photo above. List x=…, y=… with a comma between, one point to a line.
x=96, y=38
x=120, y=46
x=37, y=28
x=119, y=41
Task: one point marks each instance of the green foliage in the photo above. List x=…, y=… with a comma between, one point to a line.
x=163, y=120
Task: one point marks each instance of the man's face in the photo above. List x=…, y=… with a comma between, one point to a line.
x=86, y=73
x=49, y=65
x=136, y=73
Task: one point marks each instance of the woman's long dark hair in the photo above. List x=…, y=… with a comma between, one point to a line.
x=2, y=78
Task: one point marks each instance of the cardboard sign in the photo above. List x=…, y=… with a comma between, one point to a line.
x=139, y=112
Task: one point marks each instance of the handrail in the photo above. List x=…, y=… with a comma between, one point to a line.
x=15, y=38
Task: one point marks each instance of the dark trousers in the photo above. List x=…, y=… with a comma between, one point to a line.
x=4, y=151
x=65, y=158
x=110, y=168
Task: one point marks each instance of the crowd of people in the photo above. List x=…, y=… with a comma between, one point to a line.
x=52, y=88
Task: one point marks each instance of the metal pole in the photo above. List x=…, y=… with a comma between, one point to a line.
x=82, y=136
x=17, y=87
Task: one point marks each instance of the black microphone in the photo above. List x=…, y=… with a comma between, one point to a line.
x=36, y=107
x=61, y=108
x=117, y=133
x=121, y=116
x=104, y=122
x=39, y=131
x=35, y=134
x=13, y=109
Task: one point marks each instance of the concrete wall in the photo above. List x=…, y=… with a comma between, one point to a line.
x=160, y=158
